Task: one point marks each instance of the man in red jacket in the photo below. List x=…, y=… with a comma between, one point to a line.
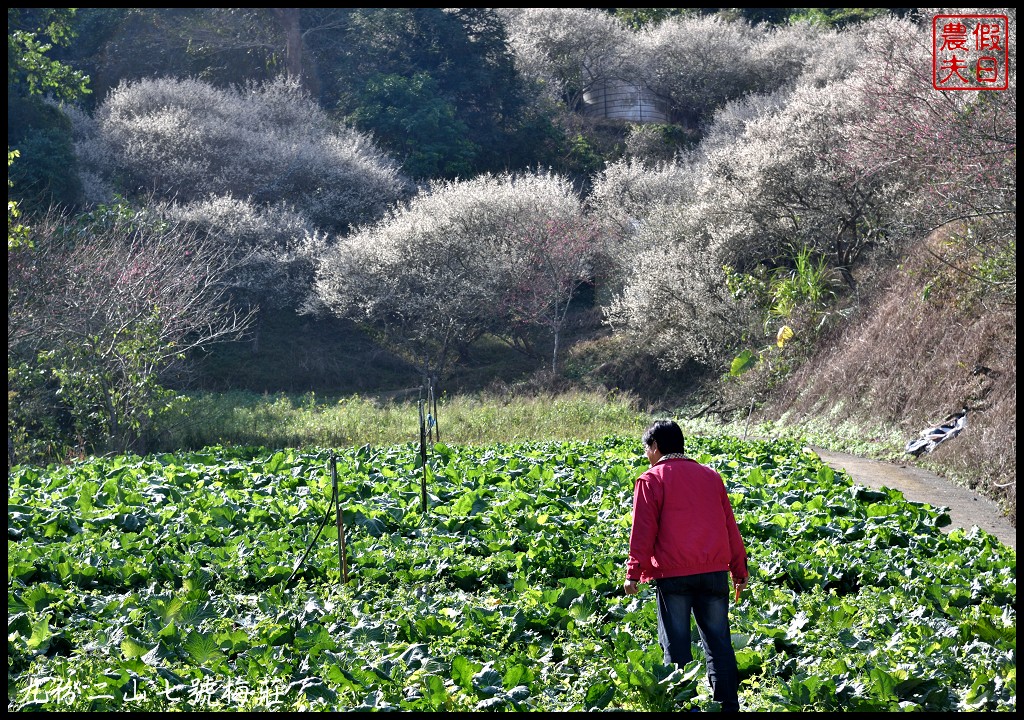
x=685, y=540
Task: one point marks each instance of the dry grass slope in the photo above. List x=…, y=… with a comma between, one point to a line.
x=910, y=358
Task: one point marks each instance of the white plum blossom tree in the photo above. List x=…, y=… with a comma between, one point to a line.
x=186, y=140
x=267, y=247
x=697, y=62
x=675, y=302
x=435, y=274
x=788, y=183
x=270, y=251
x=567, y=51
x=623, y=196
x=776, y=177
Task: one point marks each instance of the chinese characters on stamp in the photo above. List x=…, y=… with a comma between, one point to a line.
x=970, y=52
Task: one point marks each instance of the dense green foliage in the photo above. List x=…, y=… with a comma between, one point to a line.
x=181, y=582
x=31, y=35
x=37, y=129
x=435, y=86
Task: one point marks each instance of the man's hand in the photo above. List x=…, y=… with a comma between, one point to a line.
x=740, y=586
x=630, y=587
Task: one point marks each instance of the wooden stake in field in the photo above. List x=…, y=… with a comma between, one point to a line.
x=341, y=528
x=423, y=458
x=336, y=501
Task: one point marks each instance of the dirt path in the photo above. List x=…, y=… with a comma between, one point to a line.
x=966, y=508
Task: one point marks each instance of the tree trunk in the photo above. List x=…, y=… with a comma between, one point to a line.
x=554, y=356
x=289, y=21
x=257, y=330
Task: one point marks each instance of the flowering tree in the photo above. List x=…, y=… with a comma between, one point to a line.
x=801, y=51
x=624, y=194
x=269, y=250
x=956, y=152
x=429, y=278
x=267, y=247
x=697, y=62
x=567, y=51
x=788, y=183
x=98, y=311
x=675, y=303
x=554, y=260
x=849, y=157
x=186, y=140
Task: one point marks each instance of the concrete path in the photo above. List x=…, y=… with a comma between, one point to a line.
x=966, y=507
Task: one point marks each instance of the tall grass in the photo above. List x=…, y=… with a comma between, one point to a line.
x=283, y=420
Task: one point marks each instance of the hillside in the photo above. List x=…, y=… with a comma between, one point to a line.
x=901, y=361
x=906, y=360
x=423, y=256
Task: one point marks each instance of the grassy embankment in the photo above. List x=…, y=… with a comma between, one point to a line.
x=283, y=420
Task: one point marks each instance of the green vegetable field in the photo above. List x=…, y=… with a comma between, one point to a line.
x=182, y=583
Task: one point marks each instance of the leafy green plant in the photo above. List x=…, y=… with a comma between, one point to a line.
x=807, y=284
x=799, y=297
x=17, y=233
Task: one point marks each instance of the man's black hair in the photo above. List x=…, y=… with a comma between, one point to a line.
x=667, y=434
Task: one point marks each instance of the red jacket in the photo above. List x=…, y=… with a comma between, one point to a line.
x=683, y=524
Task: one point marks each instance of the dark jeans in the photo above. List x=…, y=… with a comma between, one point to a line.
x=707, y=596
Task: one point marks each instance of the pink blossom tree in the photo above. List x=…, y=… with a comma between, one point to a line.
x=955, y=152
x=555, y=260
x=98, y=312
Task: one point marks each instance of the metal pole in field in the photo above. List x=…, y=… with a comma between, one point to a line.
x=433, y=401
x=341, y=528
